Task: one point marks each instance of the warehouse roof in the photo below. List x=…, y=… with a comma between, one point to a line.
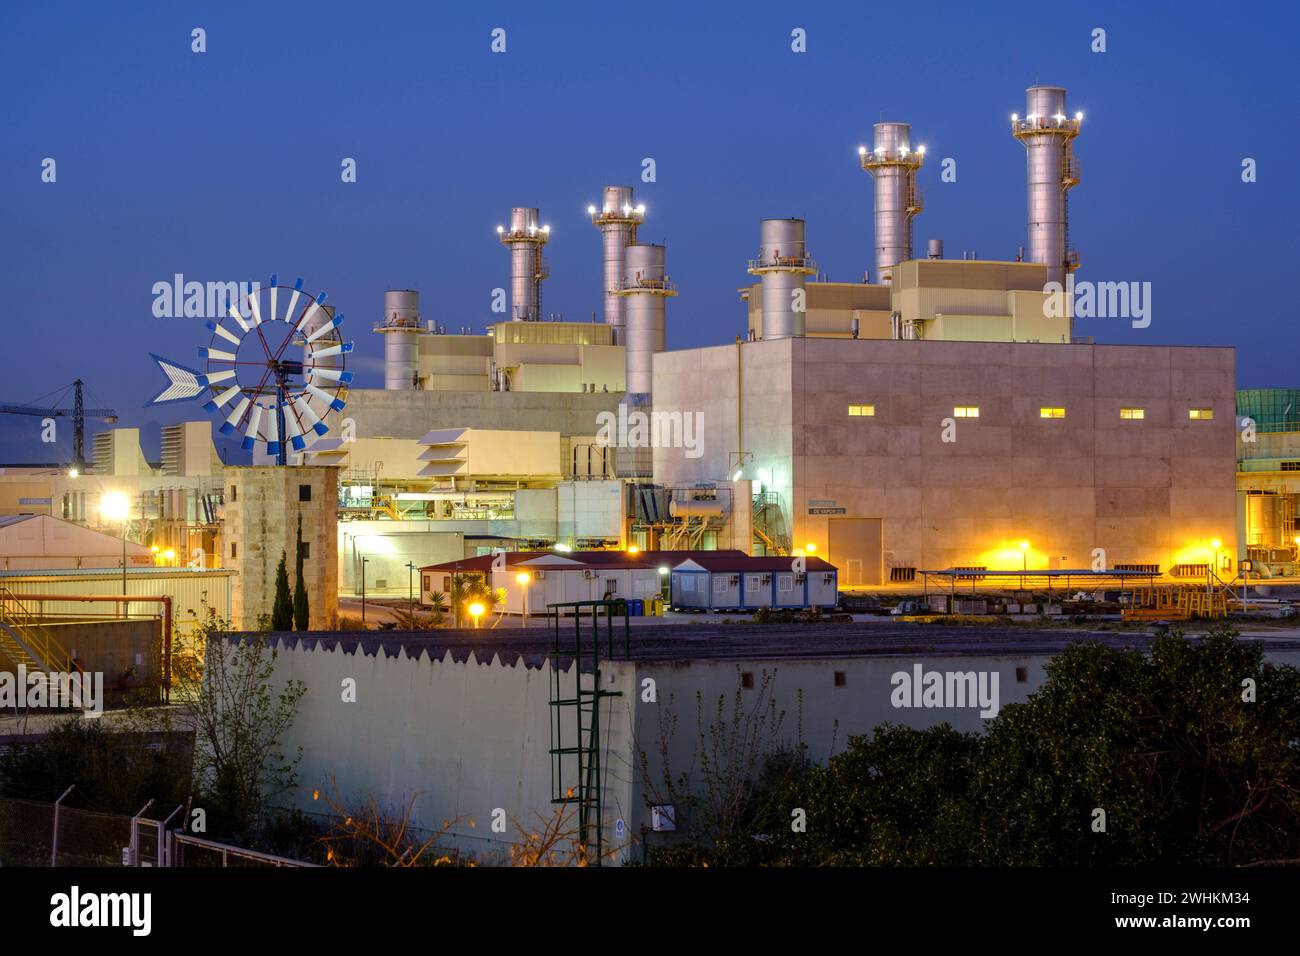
x=729, y=561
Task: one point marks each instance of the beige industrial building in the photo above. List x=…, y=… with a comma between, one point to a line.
x=263, y=504
x=891, y=456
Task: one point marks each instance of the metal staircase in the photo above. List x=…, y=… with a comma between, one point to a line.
x=770, y=532
x=575, y=750
x=24, y=642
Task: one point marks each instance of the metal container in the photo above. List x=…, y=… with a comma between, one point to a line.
x=935, y=250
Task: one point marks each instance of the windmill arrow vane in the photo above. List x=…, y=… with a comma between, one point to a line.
x=274, y=376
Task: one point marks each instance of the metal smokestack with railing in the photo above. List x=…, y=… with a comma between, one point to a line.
x=644, y=291
x=1047, y=133
x=783, y=263
x=893, y=163
x=401, y=331
x=617, y=219
x=525, y=239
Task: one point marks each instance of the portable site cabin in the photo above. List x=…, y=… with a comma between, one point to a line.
x=719, y=582
x=557, y=577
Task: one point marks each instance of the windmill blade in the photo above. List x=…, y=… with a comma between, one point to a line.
x=216, y=355
x=311, y=313
x=273, y=434
x=275, y=289
x=329, y=326
x=334, y=404
x=340, y=349
x=254, y=307
x=254, y=422
x=239, y=319
x=293, y=428
x=222, y=331
x=330, y=374
x=306, y=412
x=215, y=403
x=228, y=425
x=293, y=300
x=216, y=377
x=183, y=384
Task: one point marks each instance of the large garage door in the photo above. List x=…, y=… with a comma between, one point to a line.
x=857, y=548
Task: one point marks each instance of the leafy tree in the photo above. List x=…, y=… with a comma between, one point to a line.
x=301, y=609
x=1190, y=751
x=239, y=717
x=282, y=609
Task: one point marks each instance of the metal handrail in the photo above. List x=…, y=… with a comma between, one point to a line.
x=49, y=653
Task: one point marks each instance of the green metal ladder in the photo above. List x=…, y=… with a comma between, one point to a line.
x=580, y=710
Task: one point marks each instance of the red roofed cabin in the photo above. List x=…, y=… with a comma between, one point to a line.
x=561, y=577
x=719, y=581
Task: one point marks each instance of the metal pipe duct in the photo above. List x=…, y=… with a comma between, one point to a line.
x=1051, y=171
x=401, y=331
x=893, y=163
x=782, y=263
x=644, y=289
x=617, y=219
x=936, y=249
x=525, y=239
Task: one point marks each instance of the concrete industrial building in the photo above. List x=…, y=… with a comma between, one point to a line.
x=1268, y=479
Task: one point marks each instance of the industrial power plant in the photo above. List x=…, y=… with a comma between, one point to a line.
x=928, y=439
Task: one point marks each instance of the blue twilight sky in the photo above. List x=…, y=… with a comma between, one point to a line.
x=226, y=165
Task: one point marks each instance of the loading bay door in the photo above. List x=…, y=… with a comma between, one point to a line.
x=857, y=548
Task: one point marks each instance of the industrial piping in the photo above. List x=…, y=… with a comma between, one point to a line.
x=644, y=289
x=893, y=163
x=617, y=219
x=782, y=263
x=1051, y=171
x=525, y=239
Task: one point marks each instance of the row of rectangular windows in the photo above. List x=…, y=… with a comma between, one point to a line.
x=1046, y=411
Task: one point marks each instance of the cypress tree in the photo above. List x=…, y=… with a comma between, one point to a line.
x=282, y=610
x=301, y=609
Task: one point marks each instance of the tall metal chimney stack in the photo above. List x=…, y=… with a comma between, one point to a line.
x=617, y=219
x=783, y=262
x=525, y=239
x=1047, y=133
x=644, y=289
x=401, y=331
x=893, y=163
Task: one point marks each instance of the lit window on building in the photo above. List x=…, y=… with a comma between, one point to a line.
x=1052, y=411
x=1200, y=414
x=1132, y=414
x=862, y=411
x=966, y=411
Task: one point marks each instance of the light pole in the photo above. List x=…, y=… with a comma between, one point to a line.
x=115, y=507
x=364, y=562
x=410, y=590
x=1024, y=562
x=523, y=579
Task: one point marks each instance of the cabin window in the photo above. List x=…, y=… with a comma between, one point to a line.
x=752, y=582
x=720, y=585
x=785, y=582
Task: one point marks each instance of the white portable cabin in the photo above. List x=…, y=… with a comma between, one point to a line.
x=708, y=582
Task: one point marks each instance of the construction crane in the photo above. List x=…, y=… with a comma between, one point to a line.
x=78, y=413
